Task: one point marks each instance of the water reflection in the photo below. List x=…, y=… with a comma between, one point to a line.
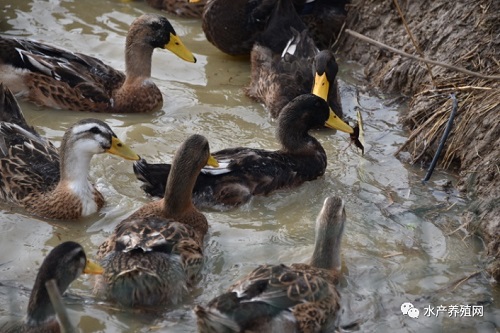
x=399, y=244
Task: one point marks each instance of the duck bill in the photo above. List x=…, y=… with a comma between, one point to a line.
x=176, y=46
x=212, y=162
x=336, y=123
x=194, y=1
x=321, y=86
x=93, y=268
x=120, y=149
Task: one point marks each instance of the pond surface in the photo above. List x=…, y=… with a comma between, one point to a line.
x=401, y=240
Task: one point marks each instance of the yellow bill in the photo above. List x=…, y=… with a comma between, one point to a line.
x=194, y=1
x=120, y=149
x=321, y=86
x=176, y=46
x=93, y=268
x=336, y=123
x=212, y=162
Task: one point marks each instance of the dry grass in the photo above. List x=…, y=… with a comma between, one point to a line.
x=463, y=34
x=479, y=101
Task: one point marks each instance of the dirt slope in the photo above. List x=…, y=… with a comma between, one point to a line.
x=461, y=33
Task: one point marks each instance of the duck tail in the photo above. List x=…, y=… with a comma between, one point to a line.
x=10, y=112
x=212, y=321
x=153, y=176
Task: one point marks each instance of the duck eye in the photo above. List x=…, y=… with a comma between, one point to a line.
x=95, y=130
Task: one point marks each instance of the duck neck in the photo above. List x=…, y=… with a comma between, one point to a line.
x=179, y=188
x=326, y=253
x=40, y=308
x=75, y=166
x=296, y=140
x=138, y=57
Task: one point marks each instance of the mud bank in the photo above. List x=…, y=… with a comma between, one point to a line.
x=463, y=34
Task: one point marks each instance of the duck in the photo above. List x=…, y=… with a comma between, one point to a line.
x=228, y=26
x=246, y=172
x=53, y=77
x=45, y=181
x=180, y=8
x=281, y=63
x=301, y=297
x=64, y=263
x=155, y=255
x=324, y=19
x=234, y=25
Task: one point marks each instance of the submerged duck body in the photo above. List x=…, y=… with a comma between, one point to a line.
x=156, y=254
x=285, y=298
x=246, y=172
x=57, y=78
x=46, y=181
x=64, y=264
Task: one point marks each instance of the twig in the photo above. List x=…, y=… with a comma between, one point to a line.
x=416, y=132
x=433, y=62
x=394, y=254
x=457, y=283
x=447, y=131
x=56, y=300
x=452, y=88
x=338, y=37
x=414, y=41
x=462, y=226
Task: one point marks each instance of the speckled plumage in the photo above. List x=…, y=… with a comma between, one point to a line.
x=154, y=262
x=284, y=61
x=252, y=171
x=63, y=264
x=57, y=78
x=278, y=298
x=154, y=255
x=38, y=177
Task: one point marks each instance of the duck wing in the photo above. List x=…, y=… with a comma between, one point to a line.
x=245, y=172
x=28, y=162
x=151, y=234
x=274, y=296
x=86, y=76
x=278, y=77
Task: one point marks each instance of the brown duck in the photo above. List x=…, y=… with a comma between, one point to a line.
x=46, y=181
x=153, y=256
x=278, y=298
x=57, y=78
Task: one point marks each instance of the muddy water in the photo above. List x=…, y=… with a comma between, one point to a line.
x=401, y=240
